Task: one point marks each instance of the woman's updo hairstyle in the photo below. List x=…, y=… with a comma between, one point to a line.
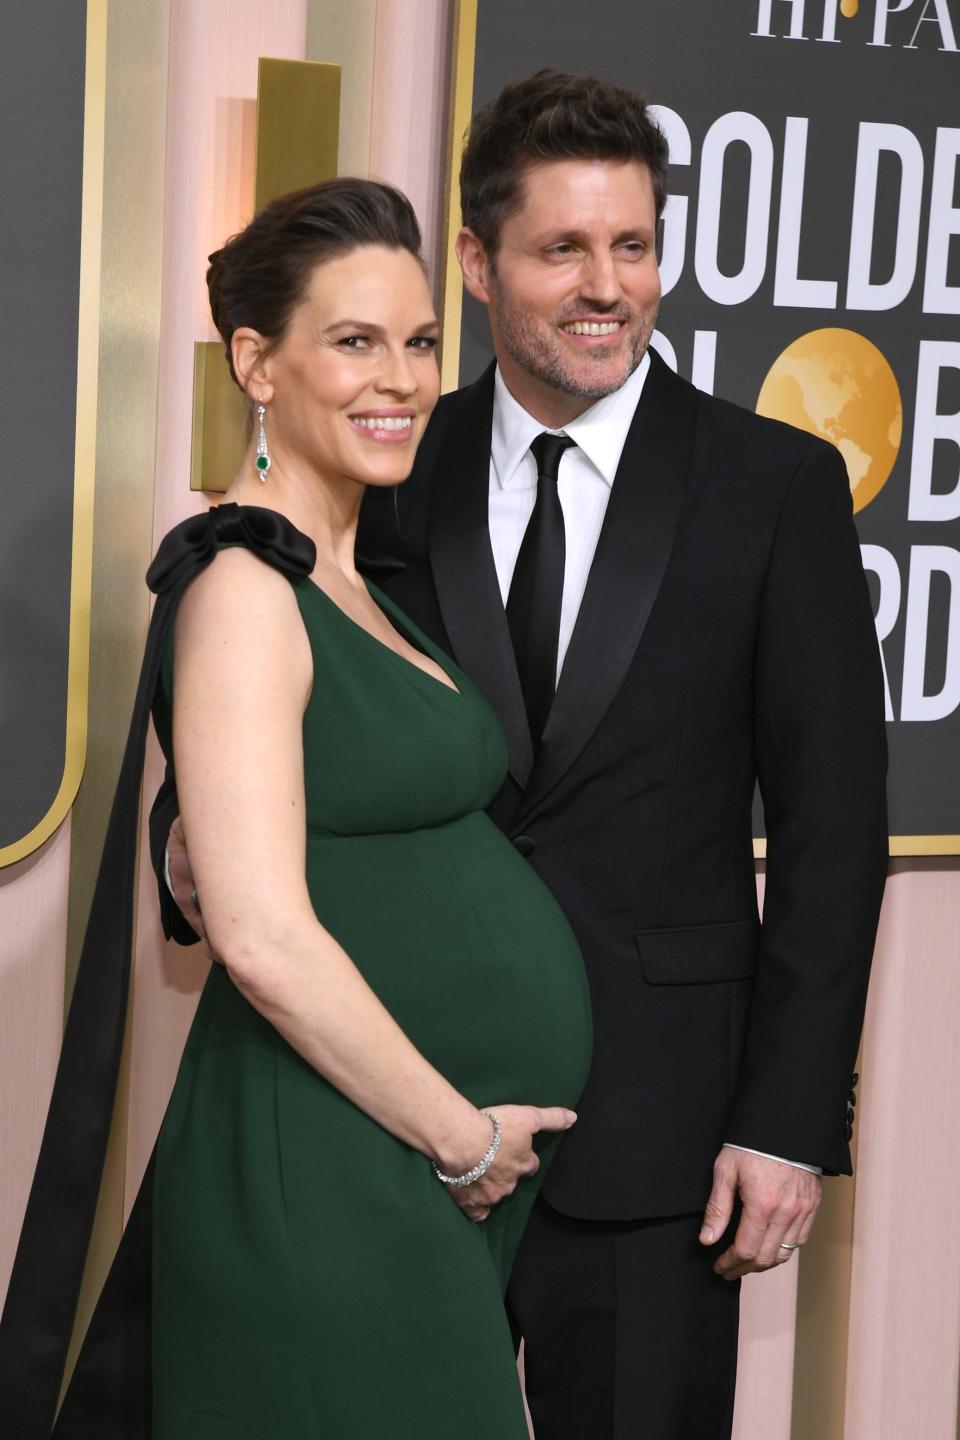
x=261, y=275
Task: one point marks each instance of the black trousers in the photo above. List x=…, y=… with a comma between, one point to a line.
x=628, y=1333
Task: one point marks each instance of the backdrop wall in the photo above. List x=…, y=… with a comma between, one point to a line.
x=860, y=1341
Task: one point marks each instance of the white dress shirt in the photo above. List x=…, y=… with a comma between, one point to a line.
x=584, y=481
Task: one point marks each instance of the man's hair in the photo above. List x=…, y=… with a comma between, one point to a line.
x=551, y=116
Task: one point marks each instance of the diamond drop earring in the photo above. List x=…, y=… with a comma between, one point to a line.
x=263, y=461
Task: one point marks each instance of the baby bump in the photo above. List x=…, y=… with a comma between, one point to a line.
x=469, y=952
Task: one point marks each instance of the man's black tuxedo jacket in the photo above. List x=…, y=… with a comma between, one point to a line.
x=725, y=636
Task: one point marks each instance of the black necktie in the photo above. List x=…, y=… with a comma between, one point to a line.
x=536, y=591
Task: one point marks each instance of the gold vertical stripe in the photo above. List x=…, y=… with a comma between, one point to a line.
x=461, y=112
x=900, y=845
x=219, y=438
x=108, y=1222
x=85, y=439
x=130, y=90
x=132, y=95
x=925, y=844
x=345, y=35
x=823, y=1316
x=298, y=126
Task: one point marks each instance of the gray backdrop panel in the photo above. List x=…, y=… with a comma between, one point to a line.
x=41, y=163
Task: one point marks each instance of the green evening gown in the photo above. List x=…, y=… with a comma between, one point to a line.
x=311, y=1276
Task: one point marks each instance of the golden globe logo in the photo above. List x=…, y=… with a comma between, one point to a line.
x=902, y=205
x=914, y=22
x=836, y=384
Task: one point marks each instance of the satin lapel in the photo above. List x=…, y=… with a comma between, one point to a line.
x=464, y=571
x=628, y=567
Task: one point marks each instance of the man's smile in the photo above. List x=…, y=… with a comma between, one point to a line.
x=592, y=327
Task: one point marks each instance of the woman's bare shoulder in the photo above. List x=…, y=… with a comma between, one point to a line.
x=238, y=582
x=240, y=609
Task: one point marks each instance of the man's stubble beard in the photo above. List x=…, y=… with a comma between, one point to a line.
x=527, y=347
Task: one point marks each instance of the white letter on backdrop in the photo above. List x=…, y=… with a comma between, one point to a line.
x=942, y=18
x=929, y=426
x=862, y=292
x=788, y=288
x=883, y=565
x=939, y=298
x=738, y=125
x=675, y=211
x=796, y=19
x=880, y=20
x=925, y=562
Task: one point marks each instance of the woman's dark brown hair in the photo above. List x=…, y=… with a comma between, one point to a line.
x=551, y=116
x=261, y=275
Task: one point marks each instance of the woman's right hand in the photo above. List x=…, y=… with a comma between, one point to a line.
x=516, y=1157
x=183, y=885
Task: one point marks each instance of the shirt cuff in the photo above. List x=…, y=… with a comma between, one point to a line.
x=797, y=1164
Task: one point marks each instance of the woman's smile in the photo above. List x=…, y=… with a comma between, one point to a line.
x=385, y=427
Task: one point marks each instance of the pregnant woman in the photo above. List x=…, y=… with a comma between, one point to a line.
x=393, y=971
x=379, y=1070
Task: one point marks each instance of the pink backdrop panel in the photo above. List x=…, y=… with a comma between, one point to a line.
x=768, y=1311
x=905, y=1288
x=767, y=1335
x=211, y=142
x=33, y=923
x=407, y=138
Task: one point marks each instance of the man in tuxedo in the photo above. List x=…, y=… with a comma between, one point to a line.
x=661, y=595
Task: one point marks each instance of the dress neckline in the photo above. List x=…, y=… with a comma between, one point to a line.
x=397, y=620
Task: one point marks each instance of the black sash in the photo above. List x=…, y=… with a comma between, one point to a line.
x=109, y=1397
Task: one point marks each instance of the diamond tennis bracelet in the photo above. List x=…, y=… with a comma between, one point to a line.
x=457, y=1182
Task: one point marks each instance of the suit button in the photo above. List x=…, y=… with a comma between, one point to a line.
x=852, y=1097
x=855, y=1080
x=524, y=843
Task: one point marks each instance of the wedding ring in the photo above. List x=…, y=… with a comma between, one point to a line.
x=195, y=901
x=785, y=1246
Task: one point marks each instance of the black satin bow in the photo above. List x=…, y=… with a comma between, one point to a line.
x=191, y=545
x=109, y=1395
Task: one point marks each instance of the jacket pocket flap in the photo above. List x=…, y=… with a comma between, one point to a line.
x=699, y=954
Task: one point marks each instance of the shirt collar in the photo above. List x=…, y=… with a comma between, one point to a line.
x=600, y=432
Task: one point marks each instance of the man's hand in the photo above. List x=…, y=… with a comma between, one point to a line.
x=779, y=1205
x=184, y=886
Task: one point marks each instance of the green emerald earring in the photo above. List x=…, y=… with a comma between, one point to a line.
x=262, y=461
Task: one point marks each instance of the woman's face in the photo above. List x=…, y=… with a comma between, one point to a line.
x=351, y=386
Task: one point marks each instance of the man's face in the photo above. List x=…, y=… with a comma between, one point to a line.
x=574, y=288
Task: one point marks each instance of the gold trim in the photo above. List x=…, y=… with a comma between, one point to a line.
x=219, y=420
x=461, y=112
x=85, y=438
x=821, y=1347
x=346, y=35
x=925, y=844
x=298, y=126
x=134, y=159
x=899, y=845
